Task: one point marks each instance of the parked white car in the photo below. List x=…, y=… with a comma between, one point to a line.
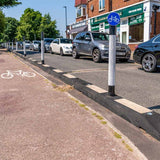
x=61, y=46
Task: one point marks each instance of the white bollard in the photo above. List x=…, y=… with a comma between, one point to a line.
x=12, y=46
x=42, y=47
x=112, y=61
x=24, y=48
x=16, y=46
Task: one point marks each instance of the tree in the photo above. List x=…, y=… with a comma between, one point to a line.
x=11, y=25
x=29, y=25
x=49, y=27
x=32, y=24
x=9, y=3
x=2, y=21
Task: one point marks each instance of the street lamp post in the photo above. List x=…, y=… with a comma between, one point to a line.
x=66, y=18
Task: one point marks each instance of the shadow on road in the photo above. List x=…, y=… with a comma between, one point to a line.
x=155, y=72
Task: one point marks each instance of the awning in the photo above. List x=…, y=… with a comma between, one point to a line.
x=79, y=29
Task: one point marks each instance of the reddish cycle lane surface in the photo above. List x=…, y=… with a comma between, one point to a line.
x=39, y=122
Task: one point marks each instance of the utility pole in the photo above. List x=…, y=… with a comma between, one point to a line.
x=66, y=18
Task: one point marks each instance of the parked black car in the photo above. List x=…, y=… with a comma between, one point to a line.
x=96, y=44
x=148, y=54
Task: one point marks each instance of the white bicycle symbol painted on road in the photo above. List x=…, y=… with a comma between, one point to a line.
x=10, y=74
x=113, y=19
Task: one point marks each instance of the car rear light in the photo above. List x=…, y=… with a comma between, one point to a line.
x=136, y=46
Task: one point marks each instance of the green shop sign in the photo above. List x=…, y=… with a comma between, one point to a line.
x=136, y=19
x=130, y=11
x=95, y=28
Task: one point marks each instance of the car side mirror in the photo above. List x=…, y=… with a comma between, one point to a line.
x=88, y=39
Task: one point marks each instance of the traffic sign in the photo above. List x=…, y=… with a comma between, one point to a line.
x=113, y=19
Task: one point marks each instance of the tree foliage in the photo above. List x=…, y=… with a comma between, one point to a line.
x=2, y=21
x=29, y=24
x=10, y=31
x=49, y=27
x=9, y=3
x=32, y=24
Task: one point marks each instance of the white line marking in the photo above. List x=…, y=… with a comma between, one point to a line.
x=30, y=58
x=96, y=88
x=33, y=60
x=45, y=65
x=39, y=63
x=133, y=106
x=69, y=75
x=57, y=70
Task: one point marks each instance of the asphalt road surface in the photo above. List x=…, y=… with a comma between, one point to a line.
x=132, y=82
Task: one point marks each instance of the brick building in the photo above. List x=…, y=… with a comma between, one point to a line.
x=81, y=23
x=137, y=18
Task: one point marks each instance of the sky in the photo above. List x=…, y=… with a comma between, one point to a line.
x=53, y=7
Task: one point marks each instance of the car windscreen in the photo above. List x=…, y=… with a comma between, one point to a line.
x=100, y=36
x=36, y=42
x=66, y=41
x=48, y=40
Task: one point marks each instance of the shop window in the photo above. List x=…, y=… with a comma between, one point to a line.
x=124, y=22
x=136, y=33
x=81, y=11
x=101, y=4
x=118, y=34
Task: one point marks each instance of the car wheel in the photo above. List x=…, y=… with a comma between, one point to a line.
x=75, y=54
x=61, y=52
x=149, y=63
x=96, y=55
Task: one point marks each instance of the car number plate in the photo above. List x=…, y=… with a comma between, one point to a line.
x=121, y=53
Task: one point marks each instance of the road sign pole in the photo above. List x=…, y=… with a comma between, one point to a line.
x=42, y=47
x=112, y=61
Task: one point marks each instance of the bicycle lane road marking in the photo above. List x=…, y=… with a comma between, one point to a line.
x=10, y=74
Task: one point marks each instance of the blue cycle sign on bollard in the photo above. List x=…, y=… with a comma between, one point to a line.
x=113, y=20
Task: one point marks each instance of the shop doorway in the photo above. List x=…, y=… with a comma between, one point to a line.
x=124, y=37
x=102, y=27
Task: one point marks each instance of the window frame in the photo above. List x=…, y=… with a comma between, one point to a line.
x=130, y=42
x=81, y=8
x=101, y=5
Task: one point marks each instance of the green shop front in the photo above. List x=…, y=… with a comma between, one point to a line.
x=131, y=27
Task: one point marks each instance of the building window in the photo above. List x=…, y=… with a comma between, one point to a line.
x=136, y=33
x=81, y=11
x=101, y=4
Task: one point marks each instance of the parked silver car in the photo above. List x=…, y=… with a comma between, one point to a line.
x=96, y=44
x=35, y=45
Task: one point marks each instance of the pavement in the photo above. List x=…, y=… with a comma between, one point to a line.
x=40, y=120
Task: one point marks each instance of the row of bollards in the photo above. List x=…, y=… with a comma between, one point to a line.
x=10, y=46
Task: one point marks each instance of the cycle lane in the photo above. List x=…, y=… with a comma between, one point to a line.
x=38, y=122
